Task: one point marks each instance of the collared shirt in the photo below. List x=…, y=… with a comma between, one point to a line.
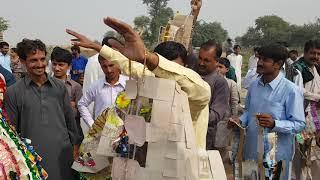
x=197, y=89
x=234, y=96
x=78, y=66
x=283, y=100
x=103, y=95
x=74, y=90
x=5, y=61
x=219, y=108
x=44, y=115
x=236, y=62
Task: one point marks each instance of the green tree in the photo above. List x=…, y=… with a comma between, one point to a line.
x=4, y=24
x=300, y=34
x=205, y=31
x=160, y=15
x=250, y=39
x=268, y=29
x=141, y=25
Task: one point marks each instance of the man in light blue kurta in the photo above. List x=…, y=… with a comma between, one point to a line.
x=4, y=56
x=280, y=101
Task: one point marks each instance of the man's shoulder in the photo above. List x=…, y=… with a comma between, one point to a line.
x=290, y=86
x=56, y=82
x=16, y=86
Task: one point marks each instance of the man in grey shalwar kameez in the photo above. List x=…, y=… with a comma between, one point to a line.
x=40, y=109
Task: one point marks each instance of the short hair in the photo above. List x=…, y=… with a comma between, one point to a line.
x=225, y=62
x=14, y=50
x=61, y=55
x=172, y=50
x=27, y=46
x=212, y=44
x=236, y=46
x=75, y=48
x=105, y=41
x=312, y=44
x=294, y=52
x=3, y=43
x=277, y=52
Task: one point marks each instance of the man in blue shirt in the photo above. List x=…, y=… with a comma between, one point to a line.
x=275, y=104
x=4, y=56
x=78, y=63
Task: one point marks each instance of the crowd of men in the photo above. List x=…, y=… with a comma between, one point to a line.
x=51, y=108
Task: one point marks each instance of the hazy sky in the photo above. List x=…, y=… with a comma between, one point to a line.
x=47, y=19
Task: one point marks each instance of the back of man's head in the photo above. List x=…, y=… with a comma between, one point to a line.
x=212, y=44
x=61, y=55
x=172, y=50
x=27, y=46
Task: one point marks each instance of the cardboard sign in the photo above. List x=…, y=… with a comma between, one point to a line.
x=136, y=129
x=131, y=89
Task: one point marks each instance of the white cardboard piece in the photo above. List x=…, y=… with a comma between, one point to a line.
x=131, y=89
x=136, y=129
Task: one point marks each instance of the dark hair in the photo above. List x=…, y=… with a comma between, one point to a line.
x=312, y=44
x=278, y=53
x=14, y=50
x=3, y=43
x=236, y=46
x=294, y=52
x=225, y=62
x=256, y=49
x=172, y=50
x=27, y=46
x=212, y=44
x=61, y=55
x=107, y=38
x=75, y=48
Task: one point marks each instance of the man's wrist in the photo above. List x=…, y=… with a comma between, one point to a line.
x=96, y=47
x=152, y=60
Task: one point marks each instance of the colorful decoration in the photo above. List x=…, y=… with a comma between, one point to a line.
x=18, y=158
x=121, y=101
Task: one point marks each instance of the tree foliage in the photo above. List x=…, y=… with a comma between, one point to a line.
x=205, y=31
x=4, y=24
x=159, y=16
x=271, y=29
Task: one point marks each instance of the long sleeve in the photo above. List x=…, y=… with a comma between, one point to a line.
x=219, y=101
x=73, y=132
x=234, y=101
x=83, y=106
x=197, y=89
x=11, y=106
x=123, y=62
x=244, y=116
x=295, y=121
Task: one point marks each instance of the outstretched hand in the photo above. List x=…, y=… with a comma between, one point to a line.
x=83, y=41
x=133, y=47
